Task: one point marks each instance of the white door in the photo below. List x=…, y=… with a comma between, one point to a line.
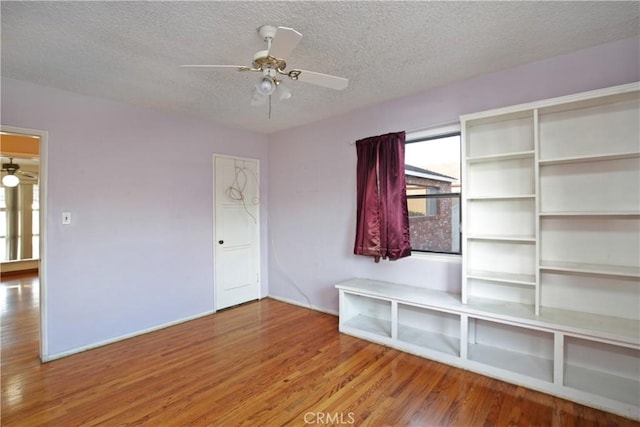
x=237, y=228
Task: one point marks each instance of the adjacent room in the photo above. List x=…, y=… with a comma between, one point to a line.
x=278, y=213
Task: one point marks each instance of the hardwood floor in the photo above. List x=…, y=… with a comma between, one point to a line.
x=265, y=363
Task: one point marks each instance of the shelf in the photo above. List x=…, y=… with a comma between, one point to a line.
x=402, y=293
x=607, y=270
x=605, y=214
x=429, y=340
x=520, y=363
x=371, y=325
x=592, y=158
x=591, y=325
x=502, y=156
x=510, y=278
x=503, y=238
x=502, y=197
x=502, y=310
x=602, y=384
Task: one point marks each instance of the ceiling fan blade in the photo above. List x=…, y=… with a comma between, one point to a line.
x=284, y=41
x=237, y=67
x=32, y=175
x=325, y=80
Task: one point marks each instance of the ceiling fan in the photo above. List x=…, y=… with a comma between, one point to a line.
x=271, y=63
x=12, y=169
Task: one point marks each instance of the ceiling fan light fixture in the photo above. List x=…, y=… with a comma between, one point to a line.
x=10, y=180
x=284, y=92
x=266, y=86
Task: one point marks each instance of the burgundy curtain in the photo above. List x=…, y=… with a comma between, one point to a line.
x=382, y=229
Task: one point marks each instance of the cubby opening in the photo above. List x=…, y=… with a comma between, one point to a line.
x=429, y=329
x=501, y=290
x=497, y=259
x=594, y=186
x=521, y=350
x=602, y=369
x=591, y=243
x=501, y=218
x=501, y=178
x=501, y=135
x=367, y=314
x=591, y=293
x=607, y=129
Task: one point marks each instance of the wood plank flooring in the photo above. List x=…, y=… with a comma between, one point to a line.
x=265, y=363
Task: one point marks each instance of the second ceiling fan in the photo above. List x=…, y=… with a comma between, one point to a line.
x=271, y=63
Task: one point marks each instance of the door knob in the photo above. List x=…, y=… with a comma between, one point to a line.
x=221, y=241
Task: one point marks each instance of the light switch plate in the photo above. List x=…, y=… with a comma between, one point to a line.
x=66, y=218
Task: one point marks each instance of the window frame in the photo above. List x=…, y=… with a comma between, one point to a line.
x=439, y=132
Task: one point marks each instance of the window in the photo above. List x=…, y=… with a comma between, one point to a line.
x=432, y=168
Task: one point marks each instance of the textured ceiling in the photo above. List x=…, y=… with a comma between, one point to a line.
x=131, y=51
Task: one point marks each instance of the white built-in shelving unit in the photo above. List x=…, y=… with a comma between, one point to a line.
x=550, y=295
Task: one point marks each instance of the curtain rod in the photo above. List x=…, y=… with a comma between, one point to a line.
x=428, y=128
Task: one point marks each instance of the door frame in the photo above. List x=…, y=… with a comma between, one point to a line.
x=42, y=267
x=258, y=224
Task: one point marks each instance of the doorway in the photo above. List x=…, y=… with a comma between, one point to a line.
x=236, y=230
x=27, y=248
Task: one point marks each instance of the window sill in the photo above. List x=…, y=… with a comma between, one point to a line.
x=455, y=258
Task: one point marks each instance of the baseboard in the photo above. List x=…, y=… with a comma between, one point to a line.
x=49, y=358
x=299, y=304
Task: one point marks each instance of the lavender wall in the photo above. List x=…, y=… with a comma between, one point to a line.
x=139, y=252
x=312, y=171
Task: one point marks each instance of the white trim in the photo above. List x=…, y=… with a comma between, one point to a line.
x=551, y=102
x=437, y=256
x=428, y=132
x=433, y=131
x=124, y=337
x=42, y=269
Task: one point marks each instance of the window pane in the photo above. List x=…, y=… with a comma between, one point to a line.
x=416, y=207
x=35, y=222
x=440, y=232
x=3, y=249
x=433, y=168
x=436, y=159
x=432, y=204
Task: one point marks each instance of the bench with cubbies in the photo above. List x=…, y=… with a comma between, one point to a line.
x=592, y=359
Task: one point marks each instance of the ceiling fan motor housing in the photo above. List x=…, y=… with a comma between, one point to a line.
x=10, y=167
x=262, y=61
x=267, y=32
